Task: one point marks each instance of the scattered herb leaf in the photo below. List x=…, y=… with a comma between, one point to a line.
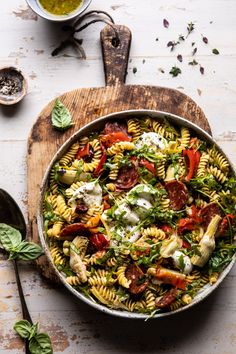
x=194, y=51
x=202, y=70
x=61, y=117
x=190, y=28
x=205, y=39
x=157, y=39
x=161, y=70
x=175, y=71
x=172, y=45
x=165, y=23
x=181, y=37
x=215, y=51
x=180, y=58
x=193, y=44
x=135, y=70
x=144, y=61
x=194, y=62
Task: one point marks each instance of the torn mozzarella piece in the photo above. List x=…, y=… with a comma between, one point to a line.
x=89, y=193
x=152, y=140
x=126, y=214
x=179, y=257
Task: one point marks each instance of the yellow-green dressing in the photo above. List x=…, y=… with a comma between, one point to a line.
x=60, y=7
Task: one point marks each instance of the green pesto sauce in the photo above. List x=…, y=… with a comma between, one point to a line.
x=60, y=7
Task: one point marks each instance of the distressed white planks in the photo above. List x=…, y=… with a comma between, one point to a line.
x=27, y=43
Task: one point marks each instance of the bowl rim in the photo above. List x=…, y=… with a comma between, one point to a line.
x=204, y=293
x=24, y=87
x=33, y=4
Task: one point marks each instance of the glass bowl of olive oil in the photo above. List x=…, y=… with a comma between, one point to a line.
x=58, y=10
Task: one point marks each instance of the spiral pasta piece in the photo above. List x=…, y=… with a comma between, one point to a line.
x=122, y=280
x=101, y=278
x=106, y=295
x=134, y=128
x=185, y=137
x=218, y=159
x=204, y=159
x=150, y=299
x=70, y=155
x=55, y=230
x=120, y=147
x=64, y=211
x=97, y=154
x=73, y=280
x=220, y=176
x=53, y=185
x=115, y=166
x=57, y=255
x=153, y=232
x=160, y=168
x=92, y=212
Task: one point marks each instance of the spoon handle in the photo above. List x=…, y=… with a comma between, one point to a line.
x=24, y=307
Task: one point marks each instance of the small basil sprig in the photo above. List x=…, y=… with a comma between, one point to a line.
x=11, y=241
x=61, y=117
x=39, y=343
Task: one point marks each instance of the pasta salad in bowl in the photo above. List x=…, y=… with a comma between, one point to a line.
x=138, y=214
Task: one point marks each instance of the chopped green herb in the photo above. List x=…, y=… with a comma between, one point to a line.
x=175, y=71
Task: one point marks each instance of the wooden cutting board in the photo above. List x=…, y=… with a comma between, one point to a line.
x=86, y=104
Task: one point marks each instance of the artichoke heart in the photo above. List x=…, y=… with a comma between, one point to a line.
x=207, y=243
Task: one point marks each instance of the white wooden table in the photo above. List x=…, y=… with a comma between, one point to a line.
x=26, y=41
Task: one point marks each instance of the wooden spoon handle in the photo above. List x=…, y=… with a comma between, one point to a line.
x=115, y=41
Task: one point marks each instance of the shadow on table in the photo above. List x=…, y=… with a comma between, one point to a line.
x=138, y=336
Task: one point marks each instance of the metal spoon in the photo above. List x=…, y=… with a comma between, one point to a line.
x=11, y=214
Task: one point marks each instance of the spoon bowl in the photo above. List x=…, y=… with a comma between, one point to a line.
x=11, y=214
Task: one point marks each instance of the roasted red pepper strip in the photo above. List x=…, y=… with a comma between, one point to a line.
x=193, y=212
x=224, y=226
x=115, y=137
x=167, y=229
x=185, y=224
x=171, y=277
x=99, y=168
x=148, y=165
x=83, y=152
x=192, y=157
x=99, y=241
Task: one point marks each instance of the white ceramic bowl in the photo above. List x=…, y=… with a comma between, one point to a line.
x=98, y=124
x=38, y=9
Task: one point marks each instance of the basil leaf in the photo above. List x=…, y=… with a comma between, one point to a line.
x=33, y=330
x=28, y=251
x=23, y=328
x=10, y=237
x=40, y=344
x=61, y=117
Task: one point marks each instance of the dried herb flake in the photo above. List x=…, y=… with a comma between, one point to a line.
x=205, y=39
x=193, y=63
x=194, y=51
x=180, y=58
x=190, y=28
x=215, y=51
x=135, y=70
x=165, y=23
x=201, y=70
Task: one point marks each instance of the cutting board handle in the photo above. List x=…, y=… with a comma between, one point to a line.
x=115, y=41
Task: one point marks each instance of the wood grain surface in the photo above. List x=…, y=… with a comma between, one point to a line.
x=88, y=104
